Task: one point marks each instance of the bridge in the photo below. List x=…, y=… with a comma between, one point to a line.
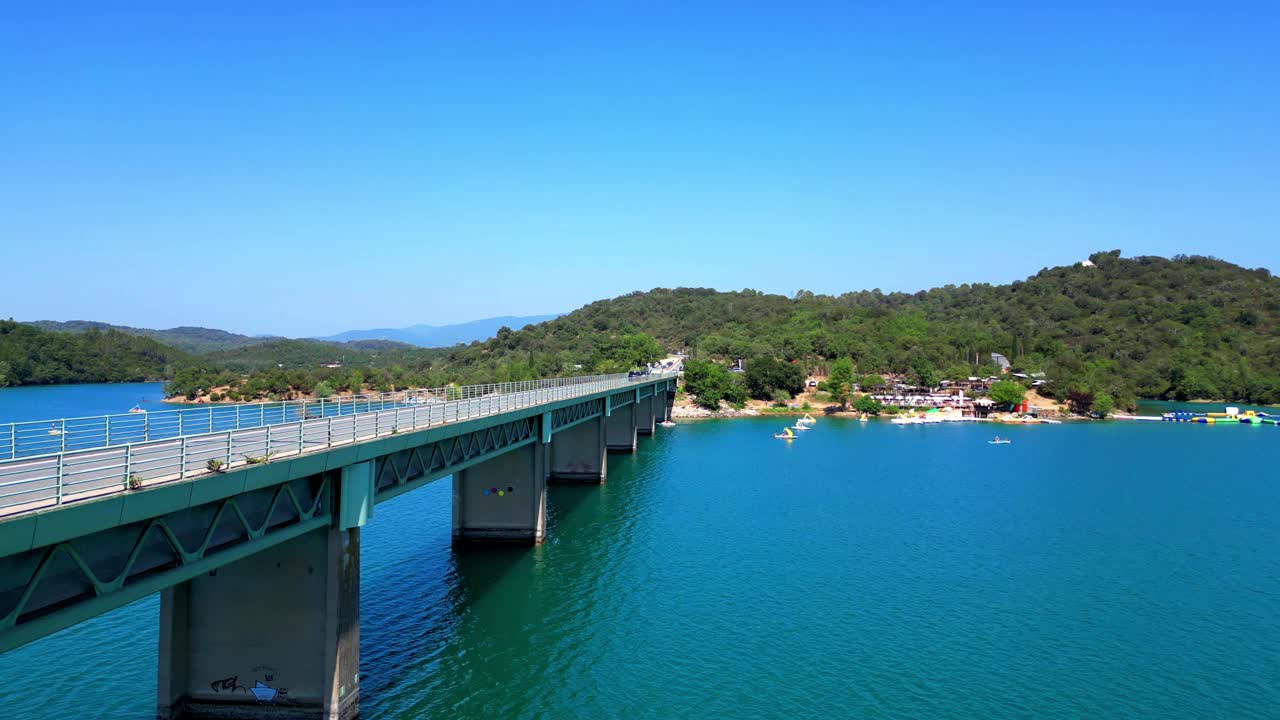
x=246, y=519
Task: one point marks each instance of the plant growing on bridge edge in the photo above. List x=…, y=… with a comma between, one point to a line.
x=257, y=459
x=215, y=465
x=134, y=482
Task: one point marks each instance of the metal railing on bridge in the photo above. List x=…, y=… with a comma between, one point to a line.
x=50, y=462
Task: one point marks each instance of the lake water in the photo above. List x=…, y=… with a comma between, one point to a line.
x=1087, y=570
x=47, y=402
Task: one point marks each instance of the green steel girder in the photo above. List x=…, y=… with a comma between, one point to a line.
x=567, y=417
x=622, y=399
x=400, y=472
x=647, y=391
x=45, y=589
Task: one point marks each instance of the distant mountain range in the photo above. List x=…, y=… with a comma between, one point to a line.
x=442, y=335
x=199, y=340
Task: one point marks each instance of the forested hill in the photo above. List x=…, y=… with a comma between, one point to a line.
x=31, y=356
x=302, y=354
x=188, y=339
x=1182, y=328
x=1187, y=327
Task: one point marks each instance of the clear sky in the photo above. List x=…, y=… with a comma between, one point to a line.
x=306, y=170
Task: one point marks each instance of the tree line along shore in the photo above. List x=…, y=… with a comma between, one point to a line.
x=1181, y=328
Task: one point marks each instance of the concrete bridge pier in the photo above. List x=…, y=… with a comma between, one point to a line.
x=503, y=499
x=620, y=429
x=667, y=401
x=577, y=454
x=273, y=635
x=646, y=414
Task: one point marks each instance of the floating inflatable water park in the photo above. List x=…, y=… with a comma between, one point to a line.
x=1232, y=416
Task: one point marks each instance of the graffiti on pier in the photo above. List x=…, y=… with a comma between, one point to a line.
x=262, y=690
x=230, y=684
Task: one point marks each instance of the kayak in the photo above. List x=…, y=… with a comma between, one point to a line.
x=999, y=442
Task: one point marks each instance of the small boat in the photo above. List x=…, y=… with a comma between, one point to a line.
x=862, y=418
x=806, y=420
x=786, y=434
x=666, y=423
x=53, y=429
x=136, y=409
x=998, y=441
x=798, y=426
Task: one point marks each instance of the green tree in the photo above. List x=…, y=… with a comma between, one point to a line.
x=635, y=350
x=840, y=381
x=1007, y=392
x=323, y=389
x=867, y=404
x=923, y=374
x=1103, y=404
x=870, y=382
x=764, y=375
x=188, y=381
x=710, y=382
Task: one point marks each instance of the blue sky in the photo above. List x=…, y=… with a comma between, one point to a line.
x=311, y=169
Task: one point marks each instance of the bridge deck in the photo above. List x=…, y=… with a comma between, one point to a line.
x=94, y=463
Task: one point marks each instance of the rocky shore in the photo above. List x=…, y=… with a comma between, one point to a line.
x=682, y=411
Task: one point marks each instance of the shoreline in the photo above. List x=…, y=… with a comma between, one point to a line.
x=291, y=396
x=685, y=409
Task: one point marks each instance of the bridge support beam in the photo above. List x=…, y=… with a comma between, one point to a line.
x=577, y=454
x=274, y=635
x=620, y=429
x=646, y=412
x=668, y=403
x=502, y=500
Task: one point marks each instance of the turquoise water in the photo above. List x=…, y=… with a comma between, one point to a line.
x=47, y=402
x=865, y=570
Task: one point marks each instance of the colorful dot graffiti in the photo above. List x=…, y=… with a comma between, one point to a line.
x=495, y=491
